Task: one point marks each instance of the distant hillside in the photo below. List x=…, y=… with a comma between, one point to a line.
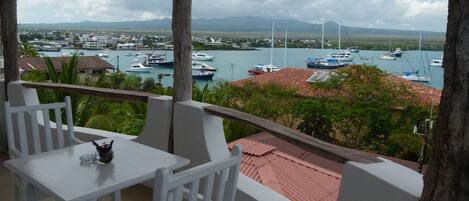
x=233, y=24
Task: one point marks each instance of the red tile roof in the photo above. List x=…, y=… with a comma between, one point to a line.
x=295, y=78
x=84, y=63
x=301, y=154
x=296, y=179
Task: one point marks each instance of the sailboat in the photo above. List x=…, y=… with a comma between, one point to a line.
x=321, y=63
x=285, y=50
x=341, y=56
x=414, y=75
x=266, y=68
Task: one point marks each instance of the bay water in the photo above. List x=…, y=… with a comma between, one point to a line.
x=234, y=65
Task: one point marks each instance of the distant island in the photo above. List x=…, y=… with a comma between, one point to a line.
x=231, y=33
x=236, y=25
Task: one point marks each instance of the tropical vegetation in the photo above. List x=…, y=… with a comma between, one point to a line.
x=365, y=113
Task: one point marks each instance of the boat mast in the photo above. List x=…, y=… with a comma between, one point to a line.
x=322, y=39
x=164, y=47
x=420, y=49
x=340, y=48
x=285, y=51
x=272, y=44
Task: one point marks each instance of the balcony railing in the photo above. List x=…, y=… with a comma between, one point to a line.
x=324, y=149
x=198, y=135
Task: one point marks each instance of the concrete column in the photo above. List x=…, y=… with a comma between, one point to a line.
x=199, y=137
x=157, y=123
x=387, y=181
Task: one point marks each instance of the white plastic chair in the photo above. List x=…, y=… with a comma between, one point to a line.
x=219, y=181
x=24, y=140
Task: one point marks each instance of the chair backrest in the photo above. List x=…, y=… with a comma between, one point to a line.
x=218, y=179
x=21, y=137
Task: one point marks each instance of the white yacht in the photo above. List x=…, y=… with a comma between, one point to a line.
x=387, y=56
x=342, y=56
x=104, y=55
x=437, y=62
x=202, y=57
x=138, y=68
x=202, y=66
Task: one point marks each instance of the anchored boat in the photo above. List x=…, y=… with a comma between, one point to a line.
x=156, y=60
x=202, y=66
x=138, y=68
x=202, y=75
x=202, y=57
x=437, y=62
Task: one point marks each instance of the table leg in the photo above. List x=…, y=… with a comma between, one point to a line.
x=116, y=196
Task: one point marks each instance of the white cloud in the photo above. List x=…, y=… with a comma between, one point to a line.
x=401, y=14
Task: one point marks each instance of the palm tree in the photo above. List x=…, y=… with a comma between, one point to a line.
x=67, y=75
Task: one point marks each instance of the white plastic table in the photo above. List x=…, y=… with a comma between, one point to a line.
x=62, y=175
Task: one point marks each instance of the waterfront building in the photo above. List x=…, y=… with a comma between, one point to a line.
x=86, y=64
x=126, y=46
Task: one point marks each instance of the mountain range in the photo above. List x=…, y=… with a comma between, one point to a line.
x=234, y=24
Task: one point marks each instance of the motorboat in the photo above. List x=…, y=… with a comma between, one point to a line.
x=104, y=55
x=396, y=53
x=138, y=68
x=414, y=77
x=202, y=57
x=202, y=75
x=261, y=69
x=354, y=49
x=387, y=56
x=329, y=63
x=342, y=56
x=202, y=66
x=128, y=54
x=437, y=62
x=157, y=60
x=66, y=54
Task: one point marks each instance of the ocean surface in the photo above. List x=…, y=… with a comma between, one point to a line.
x=234, y=65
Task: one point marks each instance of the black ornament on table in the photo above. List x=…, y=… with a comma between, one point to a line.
x=104, y=151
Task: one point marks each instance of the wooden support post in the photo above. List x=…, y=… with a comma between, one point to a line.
x=182, y=38
x=9, y=40
x=182, y=50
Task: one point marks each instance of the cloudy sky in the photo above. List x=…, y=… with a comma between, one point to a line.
x=399, y=14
